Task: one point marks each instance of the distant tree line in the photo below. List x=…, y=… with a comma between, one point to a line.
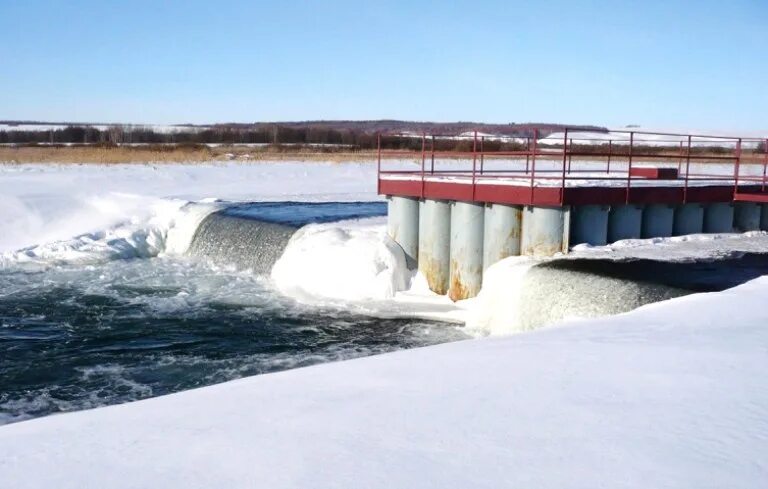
x=351, y=134
x=348, y=137
x=219, y=135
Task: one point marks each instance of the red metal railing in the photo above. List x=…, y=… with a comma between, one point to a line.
x=612, y=160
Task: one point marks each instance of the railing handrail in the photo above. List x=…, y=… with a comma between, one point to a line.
x=622, y=152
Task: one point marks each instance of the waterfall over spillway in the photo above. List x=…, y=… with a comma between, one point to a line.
x=242, y=242
x=522, y=295
x=254, y=235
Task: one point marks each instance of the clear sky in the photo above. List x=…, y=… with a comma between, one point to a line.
x=665, y=64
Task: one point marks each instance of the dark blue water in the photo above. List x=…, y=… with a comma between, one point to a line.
x=301, y=213
x=81, y=336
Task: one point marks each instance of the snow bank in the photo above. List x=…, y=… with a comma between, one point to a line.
x=670, y=395
x=344, y=262
x=167, y=230
x=48, y=202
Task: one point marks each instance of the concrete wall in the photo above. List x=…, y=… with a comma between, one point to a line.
x=589, y=225
x=689, y=219
x=747, y=216
x=467, y=231
x=546, y=230
x=718, y=218
x=501, y=232
x=434, y=243
x=658, y=221
x=403, y=226
x=625, y=222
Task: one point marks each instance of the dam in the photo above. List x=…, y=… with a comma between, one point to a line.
x=460, y=212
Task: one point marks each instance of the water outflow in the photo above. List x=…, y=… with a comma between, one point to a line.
x=253, y=236
x=564, y=288
x=239, y=241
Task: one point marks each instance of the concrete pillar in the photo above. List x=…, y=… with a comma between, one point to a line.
x=764, y=218
x=625, y=222
x=590, y=225
x=718, y=218
x=435, y=243
x=502, y=226
x=467, y=229
x=658, y=221
x=746, y=216
x=689, y=219
x=545, y=230
x=403, y=226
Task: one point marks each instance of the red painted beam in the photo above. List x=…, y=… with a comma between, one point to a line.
x=551, y=195
x=653, y=173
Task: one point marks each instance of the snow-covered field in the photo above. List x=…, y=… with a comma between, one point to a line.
x=669, y=395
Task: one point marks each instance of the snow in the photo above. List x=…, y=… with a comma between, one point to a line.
x=670, y=395
x=678, y=248
x=45, y=127
x=44, y=203
x=657, y=137
x=332, y=261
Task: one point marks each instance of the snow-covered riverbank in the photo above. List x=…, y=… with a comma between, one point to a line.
x=670, y=395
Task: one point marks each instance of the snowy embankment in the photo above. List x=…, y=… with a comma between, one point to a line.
x=669, y=395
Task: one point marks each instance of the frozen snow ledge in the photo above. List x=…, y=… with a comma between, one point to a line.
x=672, y=394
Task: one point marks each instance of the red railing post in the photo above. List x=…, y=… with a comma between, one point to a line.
x=566, y=153
x=378, y=162
x=533, y=161
x=570, y=157
x=610, y=150
x=680, y=161
x=474, y=163
x=423, y=160
x=527, y=152
x=765, y=162
x=687, y=170
x=482, y=154
x=432, y=166
x=423, y=150
x=736, y=168
x=629, y=164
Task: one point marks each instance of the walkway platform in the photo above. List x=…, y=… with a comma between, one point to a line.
x=635, y=168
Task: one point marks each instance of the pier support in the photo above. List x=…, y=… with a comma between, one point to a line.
x=625, y=222
x=718, y=218
x=545, y=230
x=434, y=243
x=467, y=229
x=689, y=219
x=403, y=226
x=590, y=225
x=658, y=221
x=746, y=216
x=501, y=234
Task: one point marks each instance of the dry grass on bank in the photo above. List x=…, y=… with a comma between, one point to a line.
x=169, y=154
x=201, y=153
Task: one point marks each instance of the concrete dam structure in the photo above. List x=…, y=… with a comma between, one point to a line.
x=541, y=196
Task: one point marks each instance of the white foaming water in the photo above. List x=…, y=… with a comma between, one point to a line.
x=168, y=229
x=349, y=262
x=496, y=309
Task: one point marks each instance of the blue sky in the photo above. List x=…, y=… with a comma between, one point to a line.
x=665, y=64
